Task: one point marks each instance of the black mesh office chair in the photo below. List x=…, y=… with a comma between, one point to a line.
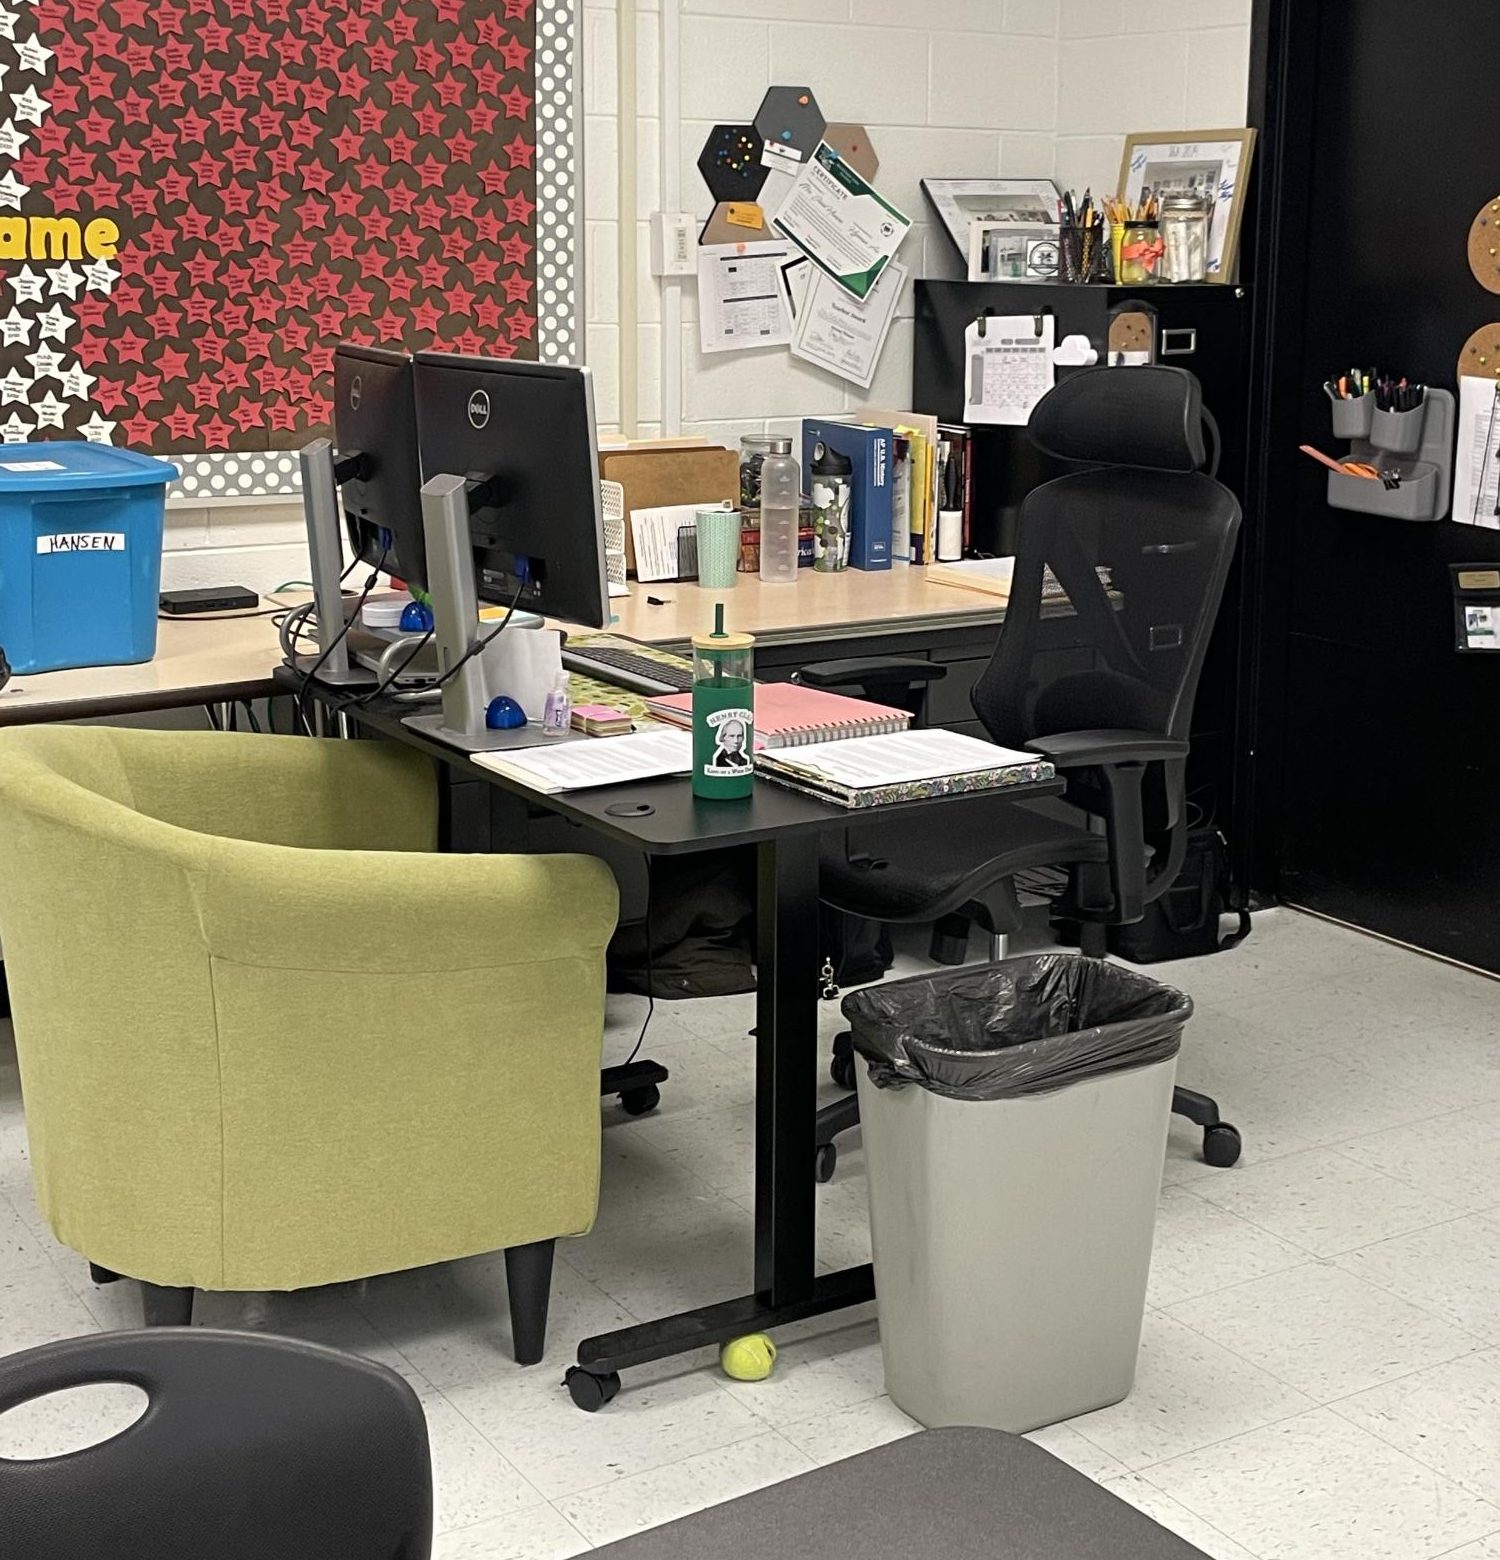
x=1140, y=538
x=251, y=1448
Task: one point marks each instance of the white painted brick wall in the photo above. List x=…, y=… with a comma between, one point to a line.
x=1042, y=88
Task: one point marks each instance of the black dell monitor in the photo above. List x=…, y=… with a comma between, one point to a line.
x=523, y=437
x=377, y=462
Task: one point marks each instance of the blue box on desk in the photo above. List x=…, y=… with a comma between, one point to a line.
x=872, y=452
x=80, y=554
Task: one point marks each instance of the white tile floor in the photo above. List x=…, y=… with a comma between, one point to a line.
x=1320, y=1369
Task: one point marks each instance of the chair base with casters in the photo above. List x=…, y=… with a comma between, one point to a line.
x=931, y=876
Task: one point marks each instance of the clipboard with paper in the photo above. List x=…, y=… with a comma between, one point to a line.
x=1008, y=367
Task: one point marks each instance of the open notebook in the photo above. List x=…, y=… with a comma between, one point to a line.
x=865, y=771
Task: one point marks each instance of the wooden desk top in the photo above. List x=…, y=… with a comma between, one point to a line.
x=853, y=604
x=199, y=661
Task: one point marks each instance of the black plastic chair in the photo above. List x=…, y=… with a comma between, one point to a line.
x=1141, y=539
x=252, y=1448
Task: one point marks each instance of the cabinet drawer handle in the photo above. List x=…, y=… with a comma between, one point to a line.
x=1179, y=341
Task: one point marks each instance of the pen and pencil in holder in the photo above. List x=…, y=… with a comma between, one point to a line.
x=723, y=713
x=1083, y=241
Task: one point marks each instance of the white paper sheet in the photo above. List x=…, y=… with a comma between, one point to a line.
x=841, y=223
x=654, y=533
x=579, y=766
x=1476, y=472
x=843, y=334
x=740, y=302
x=525, y=666
x=1009, y=367
x=900, y=757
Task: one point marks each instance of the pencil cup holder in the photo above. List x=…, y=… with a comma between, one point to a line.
x=1398, y=432
x=1083, y=253
x=1351, y=418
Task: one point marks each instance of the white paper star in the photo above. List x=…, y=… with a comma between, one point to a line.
x=14, y=431
x=8, y=21
x=13, y=387
x=96, y=430
x=27, y=284
x=12, y=190
x=53, y=324
x=45, y=363
x=101, y=276
x=15, y=328
x=49, y=411
x=11, y=139
x=77, y=384
x=33, y=56
x=65, y=278
x=30, y=105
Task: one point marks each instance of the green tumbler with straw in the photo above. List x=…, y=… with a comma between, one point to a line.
x=723, y=713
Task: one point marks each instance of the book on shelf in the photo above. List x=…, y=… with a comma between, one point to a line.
x=901, y=767
x=789, y=715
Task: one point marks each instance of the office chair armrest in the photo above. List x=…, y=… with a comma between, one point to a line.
x=862, y=670
x=1098, y=749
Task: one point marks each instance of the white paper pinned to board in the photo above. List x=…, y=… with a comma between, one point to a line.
x=1007, y=367
x=1476, y=474
x=740, y=303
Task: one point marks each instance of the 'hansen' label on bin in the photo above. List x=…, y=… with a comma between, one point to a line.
x=81, y=541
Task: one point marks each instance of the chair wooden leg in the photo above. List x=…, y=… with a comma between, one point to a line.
x=164, y=1307
x=102, y=1275
x=528, y=1279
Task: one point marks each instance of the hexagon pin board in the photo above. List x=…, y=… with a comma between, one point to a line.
x=730, y=162
x=852, y=143
x=790, y=123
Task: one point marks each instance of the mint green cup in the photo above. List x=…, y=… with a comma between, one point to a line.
x=718, y=548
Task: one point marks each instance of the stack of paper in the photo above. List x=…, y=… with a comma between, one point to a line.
x=577, y=766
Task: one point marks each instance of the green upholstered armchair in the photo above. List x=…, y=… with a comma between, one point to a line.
x=269, y=1038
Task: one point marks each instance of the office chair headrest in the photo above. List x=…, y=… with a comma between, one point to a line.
x=1150, y=416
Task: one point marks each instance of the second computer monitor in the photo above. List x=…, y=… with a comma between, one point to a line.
x=375, y=427
x=523, y=435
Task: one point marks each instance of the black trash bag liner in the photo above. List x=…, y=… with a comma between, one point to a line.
x=1024, y=1026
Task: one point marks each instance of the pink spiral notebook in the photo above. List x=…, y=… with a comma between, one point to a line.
x=789, y=715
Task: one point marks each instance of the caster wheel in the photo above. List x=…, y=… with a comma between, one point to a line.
x=637, y=1102
x=825, y=1163
x=589, y=1391
x=102, y=1275
x=841, y=1068
x=1221, y=1145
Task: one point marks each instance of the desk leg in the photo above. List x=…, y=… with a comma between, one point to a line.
x=787, y=1288
x=786, y=1040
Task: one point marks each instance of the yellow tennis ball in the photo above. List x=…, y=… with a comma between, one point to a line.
x=749, y=1358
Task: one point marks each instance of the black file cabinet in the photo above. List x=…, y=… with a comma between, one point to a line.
x=1202, y=328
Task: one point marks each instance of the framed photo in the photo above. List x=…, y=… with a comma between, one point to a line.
x=959, y=203
x=1212, y=163
x=1012, y=252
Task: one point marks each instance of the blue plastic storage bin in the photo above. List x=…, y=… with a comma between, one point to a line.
x=80, y=554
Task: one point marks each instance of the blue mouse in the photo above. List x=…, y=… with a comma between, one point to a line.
x=416, y=617
x=504, y=714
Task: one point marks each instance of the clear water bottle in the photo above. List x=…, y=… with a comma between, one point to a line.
x=780, y=501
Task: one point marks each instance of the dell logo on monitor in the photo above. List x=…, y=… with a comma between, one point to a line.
x=479, y=408
x=356, y=391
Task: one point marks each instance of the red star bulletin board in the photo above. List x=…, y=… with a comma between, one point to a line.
x=284, y=175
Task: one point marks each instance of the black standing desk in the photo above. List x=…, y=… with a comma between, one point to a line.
x=664, y=818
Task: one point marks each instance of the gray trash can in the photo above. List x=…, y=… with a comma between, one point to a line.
x=1015, y=1123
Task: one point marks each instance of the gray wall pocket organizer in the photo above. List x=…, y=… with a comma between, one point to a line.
x=1415, y=448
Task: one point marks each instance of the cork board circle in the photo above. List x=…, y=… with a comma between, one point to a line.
x=1480, y=356
x=1484, y=246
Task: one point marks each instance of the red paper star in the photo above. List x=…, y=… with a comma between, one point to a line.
x=400, y=286
x=483, y=118
x=390, y=327
x=229, y=117
x=370, y=117
x=145, y=388
x=520, y=151
x=329, y=319
x=488, y=80
x=450, y=91
x=427, y=316
x=518, y=207
x=431, y=172
x=484, y=269
x=517, y=10
x=263, y=268
x=430, y=214
x=342, y=244
x=494, y=179
x=407, y=244
x=434, y=274
x=515, y=54
x=204, y=391
x=517, y=288
x=317, y=95
x=216, y=434
x=247, y=415
x=295, y=335
x=283, y=416
x=348, y=144
x=257, y=343
x=461, y=147
x=429, y=120
x=138, y=429
x=264, y=308
x=461, y=52
x=455, y=244
x=517, y=104
x=487, y=313
x=403, y=91
x=164, y=322
x=402, y=26
x=200, y=308
x=130, y=347
x=469, y=342
x=399, y=147
x=425, y=58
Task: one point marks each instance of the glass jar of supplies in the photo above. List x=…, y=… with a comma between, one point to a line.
x=753, y=451
x=1140, y=253
x=1184, y=234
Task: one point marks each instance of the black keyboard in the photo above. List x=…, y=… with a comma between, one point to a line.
x=627, y=669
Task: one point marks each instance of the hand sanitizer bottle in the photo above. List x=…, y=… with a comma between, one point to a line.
x=557, y=713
